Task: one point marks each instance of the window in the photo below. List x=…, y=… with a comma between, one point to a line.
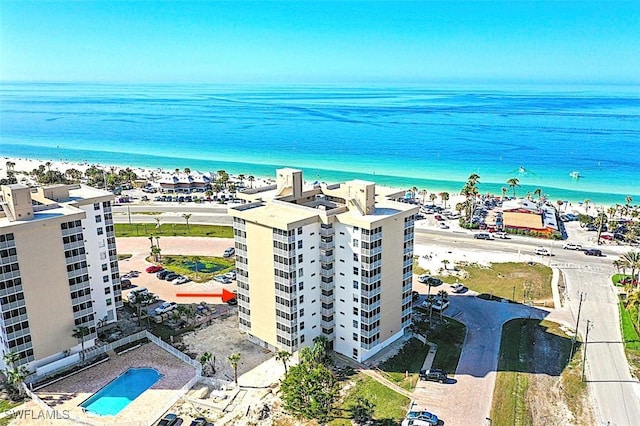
x=355, y=337
x=302, y=338
x=355, y=311
x=96, y=206
x=107, y=290
x=98, y=219
x=302, y=325
x=355, y=243
x=300, y=286
x=355, y=284
x=105, y=278
x=300, y=273
x=103, y=255
x=355, y=353
x=302, y=312
x=300, y=244
x=355, y=298
x=109, y=302
x=355, y=256
x=100, y=231
x=105, y=266
x=299, y=258
x=302, y=298
x=300, y=231
x=355, y=270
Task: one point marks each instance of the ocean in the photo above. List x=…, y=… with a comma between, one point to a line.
x=432, y=138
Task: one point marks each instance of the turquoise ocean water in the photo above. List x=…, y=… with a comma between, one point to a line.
x=431, y=138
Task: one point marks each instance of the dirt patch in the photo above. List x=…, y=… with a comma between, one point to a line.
x=547, y=398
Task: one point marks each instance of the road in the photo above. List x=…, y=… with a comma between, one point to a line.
x=616, y=393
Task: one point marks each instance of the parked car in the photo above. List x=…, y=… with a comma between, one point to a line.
x=222, y=279
x=181, y=280
x=434, y=282
x=501, y=235
x=443, y=225
x=593, y=252
x=458, y=288
x=232, y=302
x=434, y=375
x=231, y=275
x=169, y=419
x=437, y=305
x=229, y=252
x=163, y=274
x=200, y=421
x=171, y=276
x=165, y=307
x=153, y=269
x=482, y=236
x=125, y=283
x=572, y=246
x=420, y=416
x=543, y=251
x=423, y=279
x=415, y=295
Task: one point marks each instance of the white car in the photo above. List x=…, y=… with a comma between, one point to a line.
x=437, y=305
x=229, y=252
x=165, y=307
x=222, y=279
x=543, y=251
x=181, y=280
x=423, y=279
x=458, y=288
x=443, y=225
x=231, y=275
x=501, y=235
x=572, y=246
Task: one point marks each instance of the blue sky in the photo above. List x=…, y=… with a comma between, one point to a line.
x=320, y=42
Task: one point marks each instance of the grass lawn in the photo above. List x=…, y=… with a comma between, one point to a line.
x=389, y=406
x=172, y=230
x=417, y=269
x=449, y=336
x=630, y=337
x=409, y=359
x=208, y=267
x=523, y=356
x=502, y=278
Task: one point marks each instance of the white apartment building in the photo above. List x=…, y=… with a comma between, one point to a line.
x=333, y=260
x=59, y=270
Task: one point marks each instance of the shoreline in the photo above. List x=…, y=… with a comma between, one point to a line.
x=24, y=164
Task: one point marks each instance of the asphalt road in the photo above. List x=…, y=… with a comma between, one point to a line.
x=616, y=393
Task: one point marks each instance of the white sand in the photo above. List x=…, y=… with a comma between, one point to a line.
x=23, y=166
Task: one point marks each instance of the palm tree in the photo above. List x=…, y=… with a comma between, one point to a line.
x=504, y=192
x=251, y=179
x=195, y=260
x=586, y=204
x=513, y=182
x=15, y=374
x=186, y=217
x=141, y=300
x=433, y=198
x=48, y=164
x=631, y=260
x=445, y=262
x=241, y=177
x=445, y=197
x=234, y=360
x=538, y=193
x=414, y=191
x=600, y=221
x=473, y=179
x=187, y=171
x=79, y=333
x=443, y=296
x=284, y=357
x=423, y=193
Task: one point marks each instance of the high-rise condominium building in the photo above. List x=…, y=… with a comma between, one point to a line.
x=59, y=270
x=332, y=260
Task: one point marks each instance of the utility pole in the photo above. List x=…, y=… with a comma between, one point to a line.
x=575, y=335
x=586, y=341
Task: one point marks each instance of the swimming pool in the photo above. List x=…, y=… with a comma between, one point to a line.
x=119, y=393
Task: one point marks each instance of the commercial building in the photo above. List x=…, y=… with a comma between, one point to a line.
x=529, y=217
x=331, y=260
x=59, y=271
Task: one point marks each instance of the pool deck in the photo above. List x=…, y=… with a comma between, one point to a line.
x=69, y=393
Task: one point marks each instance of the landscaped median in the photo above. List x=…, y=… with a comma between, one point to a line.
x=172, y=230
x=534, y=366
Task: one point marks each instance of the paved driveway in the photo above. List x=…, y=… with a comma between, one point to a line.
x=467, y=401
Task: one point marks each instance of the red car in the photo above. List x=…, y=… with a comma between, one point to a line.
x=154, y=268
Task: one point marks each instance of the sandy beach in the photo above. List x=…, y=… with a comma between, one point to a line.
x=23, y=166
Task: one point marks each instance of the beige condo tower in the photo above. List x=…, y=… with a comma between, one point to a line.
x=332, y=260
x=59, y=271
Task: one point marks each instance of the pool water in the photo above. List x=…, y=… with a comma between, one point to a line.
x=121, y=391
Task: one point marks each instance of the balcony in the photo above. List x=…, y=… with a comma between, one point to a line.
x=327, y=272
x=325, y=245
x=372, y=265
x=284, y=238
x=327, y=258
x=371, y=293
x=369, y=320
x=327, y=311
x=289, y=254
x=371, y=280
x=285, y=295
x=327, y=232
x=369, y=306
x=285, y=281
x=370, y=332
x=371, y=252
